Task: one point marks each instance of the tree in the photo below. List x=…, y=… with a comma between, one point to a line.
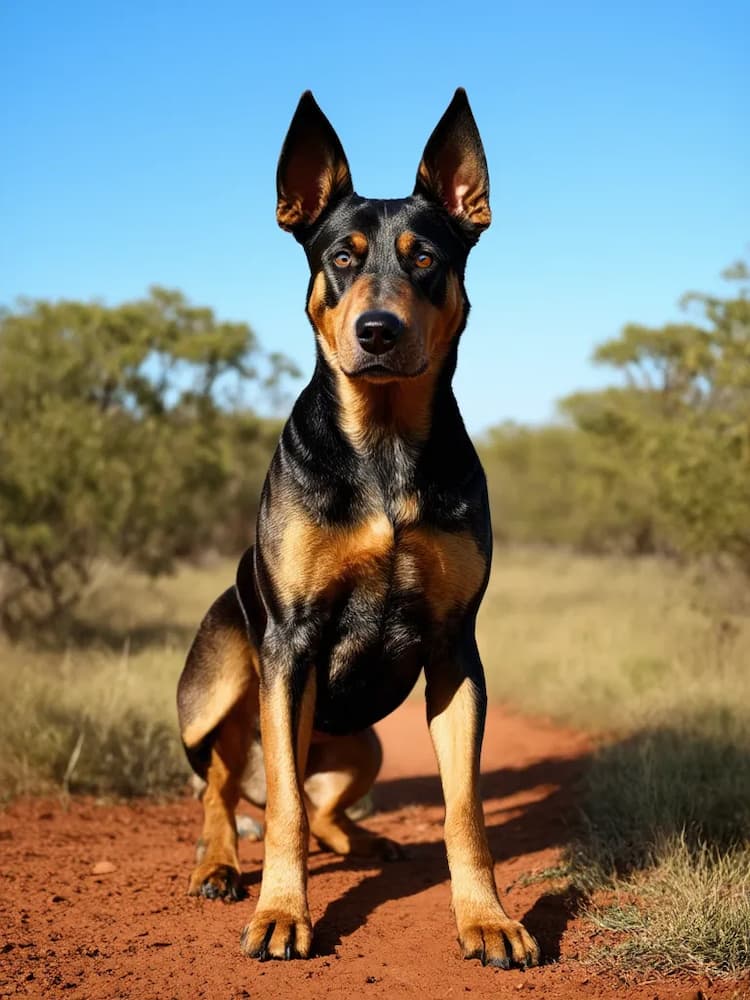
x=680, y=426
x=116, y=443
x=658, y=462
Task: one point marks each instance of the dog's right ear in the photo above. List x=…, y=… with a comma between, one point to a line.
x=312, y=172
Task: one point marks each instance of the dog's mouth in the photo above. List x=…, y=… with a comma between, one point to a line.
x=379, y=372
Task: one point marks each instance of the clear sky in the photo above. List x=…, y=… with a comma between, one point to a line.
x=139, y=145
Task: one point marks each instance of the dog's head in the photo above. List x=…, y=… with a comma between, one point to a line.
x=386, y=294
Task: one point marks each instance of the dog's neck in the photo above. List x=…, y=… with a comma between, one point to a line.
x=371, y=414
x=386, y=462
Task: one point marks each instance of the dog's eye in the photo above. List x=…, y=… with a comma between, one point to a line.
x=342, y=259
x=423, y=260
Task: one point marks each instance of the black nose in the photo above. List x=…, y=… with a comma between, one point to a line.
x=378, y=331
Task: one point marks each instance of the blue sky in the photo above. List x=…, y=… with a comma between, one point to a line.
x=140, y=143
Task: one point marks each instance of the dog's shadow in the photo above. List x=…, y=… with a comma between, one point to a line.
x=525, y=829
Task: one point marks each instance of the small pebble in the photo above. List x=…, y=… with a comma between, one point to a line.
x=103, y=868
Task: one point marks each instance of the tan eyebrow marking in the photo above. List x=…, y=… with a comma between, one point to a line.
x=405, y=243
x=358, y=243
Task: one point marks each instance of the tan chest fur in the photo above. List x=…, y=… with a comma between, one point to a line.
x=315, y=561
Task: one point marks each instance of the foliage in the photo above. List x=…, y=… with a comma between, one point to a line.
x=660, y=462
x=116, y=441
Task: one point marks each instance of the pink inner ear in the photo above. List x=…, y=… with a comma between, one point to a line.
x=457, y=186
x=451, y=184
x=455, y=196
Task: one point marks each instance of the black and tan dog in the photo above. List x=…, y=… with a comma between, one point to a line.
x=372, y=551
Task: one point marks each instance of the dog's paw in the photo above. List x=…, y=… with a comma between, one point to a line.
x=214, y=881
x=343, y=837
x=387, y=850
x=275, y=933
x=248, y=828
x=486, y=942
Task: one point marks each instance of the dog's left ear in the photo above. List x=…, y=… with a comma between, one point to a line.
x=453, y=171
x=312, y=172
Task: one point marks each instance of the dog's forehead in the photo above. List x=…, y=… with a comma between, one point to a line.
x=386, y=217
x=383, y=220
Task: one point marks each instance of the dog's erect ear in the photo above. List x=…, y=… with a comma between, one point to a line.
x=453, y=171
x=312, y=172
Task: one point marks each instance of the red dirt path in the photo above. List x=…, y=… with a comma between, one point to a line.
x=379, y=931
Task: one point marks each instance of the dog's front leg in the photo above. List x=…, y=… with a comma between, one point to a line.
x=456, y=709
x=281, y=926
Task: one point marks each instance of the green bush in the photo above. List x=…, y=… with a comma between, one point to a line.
x=119, y=442
x=660, y=463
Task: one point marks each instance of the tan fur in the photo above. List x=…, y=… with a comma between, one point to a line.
x=342, y=770
x=402, y=406
x=231, y=668
x=405, y=244
x=466, y=197
x=408, y=510
x=359, y=243
x=219, y=837
x=448, y=567
x=313, y=558
x=483, y=924
x=290, y=211
x=283, y=894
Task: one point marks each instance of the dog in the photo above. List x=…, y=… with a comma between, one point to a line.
x=371, y=557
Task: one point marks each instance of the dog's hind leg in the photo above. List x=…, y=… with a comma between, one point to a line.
x=340, y=771
x=218, y=711
x=217, y=873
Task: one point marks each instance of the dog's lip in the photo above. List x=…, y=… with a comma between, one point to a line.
x=383, y=371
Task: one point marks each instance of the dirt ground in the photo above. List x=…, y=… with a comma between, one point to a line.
x=385, y=931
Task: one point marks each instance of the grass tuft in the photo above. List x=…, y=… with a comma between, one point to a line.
x=666, y=818
x=689, y=781
x=693, y=913
x=98, y=735
x=100, y=718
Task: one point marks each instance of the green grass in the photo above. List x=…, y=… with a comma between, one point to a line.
x=651, y=656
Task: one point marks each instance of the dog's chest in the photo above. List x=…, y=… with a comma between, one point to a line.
x=377, y=563
x=380, y=591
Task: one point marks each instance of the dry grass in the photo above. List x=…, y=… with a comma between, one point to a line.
x=99, y=716
x=666, y=818
x=657, y=657
x=689, y=913
x=644, y=651
x=613, y=644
